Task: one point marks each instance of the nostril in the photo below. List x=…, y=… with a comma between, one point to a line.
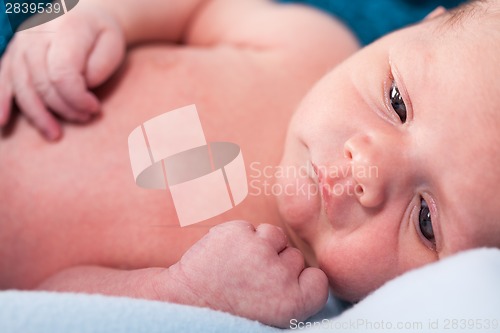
x=359, y=190
x=348, y=154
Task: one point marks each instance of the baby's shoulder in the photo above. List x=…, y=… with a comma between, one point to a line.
x=311, y=37
x=298, y=33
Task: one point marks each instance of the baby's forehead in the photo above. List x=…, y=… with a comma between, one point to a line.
x=459, y=102
x=472, y=11
x=476, y=22
x=463, y=67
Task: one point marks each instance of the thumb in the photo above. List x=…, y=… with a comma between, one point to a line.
x=314, y=286
x=105, y=57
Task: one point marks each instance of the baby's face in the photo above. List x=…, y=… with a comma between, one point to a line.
x=404, y=147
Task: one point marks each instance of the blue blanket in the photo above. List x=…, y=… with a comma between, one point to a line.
x=368, y=19
x=457, y=294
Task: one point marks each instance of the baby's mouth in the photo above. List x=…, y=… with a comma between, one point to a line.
x=312, y=170
x=336, y=186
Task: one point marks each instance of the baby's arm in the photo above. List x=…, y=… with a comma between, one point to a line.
x=235, y=268
x=53, y=70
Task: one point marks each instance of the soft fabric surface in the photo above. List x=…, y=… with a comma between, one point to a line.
x=40, y=312
x=465, y=286
x=457, y=294
x=370, y=20
x=5, y=29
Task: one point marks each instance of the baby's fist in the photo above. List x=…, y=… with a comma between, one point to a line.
x=252, y=273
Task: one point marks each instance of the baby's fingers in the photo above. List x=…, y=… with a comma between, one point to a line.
x=293, y=259
x=37, y=64
x=66, y=61
x=314, y=286
x=105, y=57
x=5, y=93
x=32, y=106
x=274, y=235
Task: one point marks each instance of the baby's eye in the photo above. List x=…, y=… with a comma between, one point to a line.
x=397, y=102
x=425, y=222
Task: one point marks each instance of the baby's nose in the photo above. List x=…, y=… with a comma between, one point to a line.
x=376, y=166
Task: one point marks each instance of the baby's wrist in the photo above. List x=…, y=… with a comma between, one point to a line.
x=170, y=285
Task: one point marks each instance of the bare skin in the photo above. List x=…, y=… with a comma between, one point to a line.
x=246, y=82
x=74, y=202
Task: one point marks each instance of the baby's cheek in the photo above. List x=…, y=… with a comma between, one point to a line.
x=357, y=269
x=298, y=202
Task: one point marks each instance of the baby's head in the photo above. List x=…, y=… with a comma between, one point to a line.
x=404, y=143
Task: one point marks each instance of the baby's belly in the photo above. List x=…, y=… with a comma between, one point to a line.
x=75, y=202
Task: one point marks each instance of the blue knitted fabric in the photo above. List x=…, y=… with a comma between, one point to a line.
x=9, y=23
x=371, y=19
x=5, y=30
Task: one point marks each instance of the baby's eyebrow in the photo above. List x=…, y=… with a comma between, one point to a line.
x=413, y=72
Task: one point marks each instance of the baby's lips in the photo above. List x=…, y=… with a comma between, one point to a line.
x=315, y=174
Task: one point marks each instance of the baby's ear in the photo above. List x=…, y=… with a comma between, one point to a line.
x=435, y=13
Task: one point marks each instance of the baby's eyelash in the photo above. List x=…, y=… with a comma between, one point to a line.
x=397, y=102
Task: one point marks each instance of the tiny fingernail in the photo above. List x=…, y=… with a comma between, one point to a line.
x=95, y=109
x=51, y=135
x=88, y=117
x=48, y=135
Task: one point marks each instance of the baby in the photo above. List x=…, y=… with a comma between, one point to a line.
x=397, y=171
